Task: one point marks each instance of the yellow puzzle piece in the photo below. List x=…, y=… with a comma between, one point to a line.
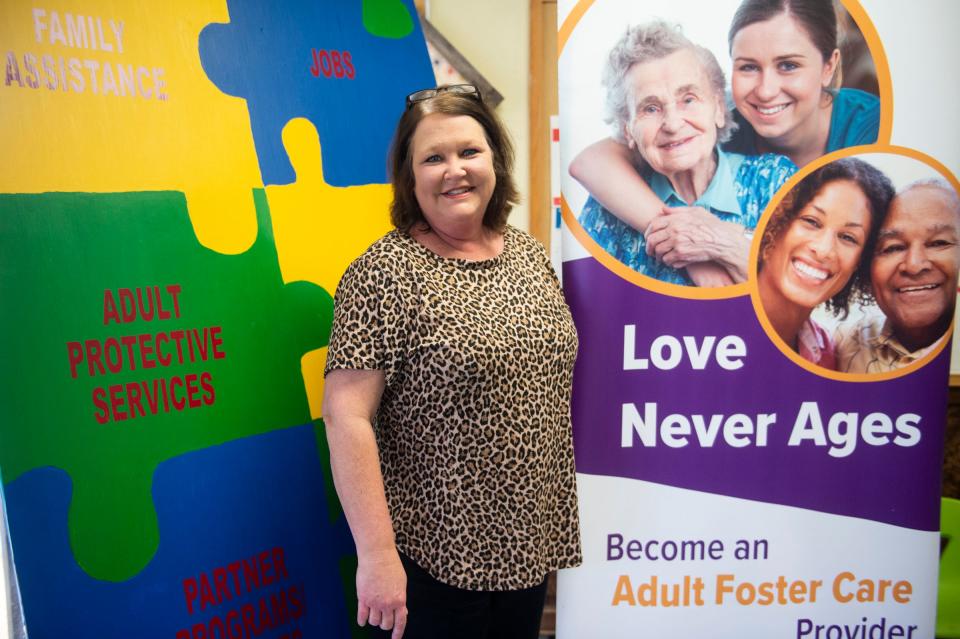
x=319, y=229
x=105, y=96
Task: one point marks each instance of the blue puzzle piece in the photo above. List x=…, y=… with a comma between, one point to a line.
x=283, y=62
x=215, y=506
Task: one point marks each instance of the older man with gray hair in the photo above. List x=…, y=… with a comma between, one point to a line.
x=665, y=100
x=913, y=273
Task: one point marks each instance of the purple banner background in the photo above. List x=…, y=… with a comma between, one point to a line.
x=891, y=484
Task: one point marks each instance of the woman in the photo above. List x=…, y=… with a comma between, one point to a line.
x=665, y=100
x=785, y=67
x=450, y=360
x=785, y=79
x=815, y=250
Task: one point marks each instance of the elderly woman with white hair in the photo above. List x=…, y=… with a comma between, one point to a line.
x=665, y=102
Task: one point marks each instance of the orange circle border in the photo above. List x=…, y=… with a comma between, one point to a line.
x=755, y=253
x=623, y=271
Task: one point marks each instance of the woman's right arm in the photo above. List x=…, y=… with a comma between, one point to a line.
x=709, y=275
x=606, y=169
x=350, y=401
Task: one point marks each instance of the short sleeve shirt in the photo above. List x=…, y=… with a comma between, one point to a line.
x=870, y=346
x=473, y=428
x=739, y=191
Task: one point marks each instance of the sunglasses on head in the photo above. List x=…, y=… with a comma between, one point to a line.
x=426, y=94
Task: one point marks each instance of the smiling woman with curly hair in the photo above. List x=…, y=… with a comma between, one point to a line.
x=815, y=250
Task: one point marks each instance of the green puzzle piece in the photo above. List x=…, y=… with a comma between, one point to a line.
x=60, y=253
x=387, y=18
x=948, y=593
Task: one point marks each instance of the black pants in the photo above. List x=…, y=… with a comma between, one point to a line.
x=439, y=611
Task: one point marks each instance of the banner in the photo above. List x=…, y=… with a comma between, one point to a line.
x=182, y=185
x=758, y=456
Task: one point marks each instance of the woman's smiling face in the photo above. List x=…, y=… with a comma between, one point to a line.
x=675, y=113
x=453, y=169
x=820, y=250
x=778, y=78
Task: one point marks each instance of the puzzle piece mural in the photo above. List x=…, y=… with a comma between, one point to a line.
x=133, y=344
x=313, y=219
x=154, y=423
x=112, y=97
x=319, y=61
x=247, y=515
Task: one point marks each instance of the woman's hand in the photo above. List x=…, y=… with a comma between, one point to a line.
x=687, y=235
x=683, y=235
x=382, y=591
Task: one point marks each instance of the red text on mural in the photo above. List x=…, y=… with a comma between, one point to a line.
x=332, y=64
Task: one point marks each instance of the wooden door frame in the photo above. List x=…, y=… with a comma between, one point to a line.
x=543, y=104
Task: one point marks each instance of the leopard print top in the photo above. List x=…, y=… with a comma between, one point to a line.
x=473, y=427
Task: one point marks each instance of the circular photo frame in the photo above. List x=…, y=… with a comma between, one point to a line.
x=616, y=234
x=855, y=264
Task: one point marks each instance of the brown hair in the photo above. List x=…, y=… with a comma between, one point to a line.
x=405, y=211
x=878, y=190
x=817, y=18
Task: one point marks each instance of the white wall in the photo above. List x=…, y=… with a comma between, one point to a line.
x=495, y=37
